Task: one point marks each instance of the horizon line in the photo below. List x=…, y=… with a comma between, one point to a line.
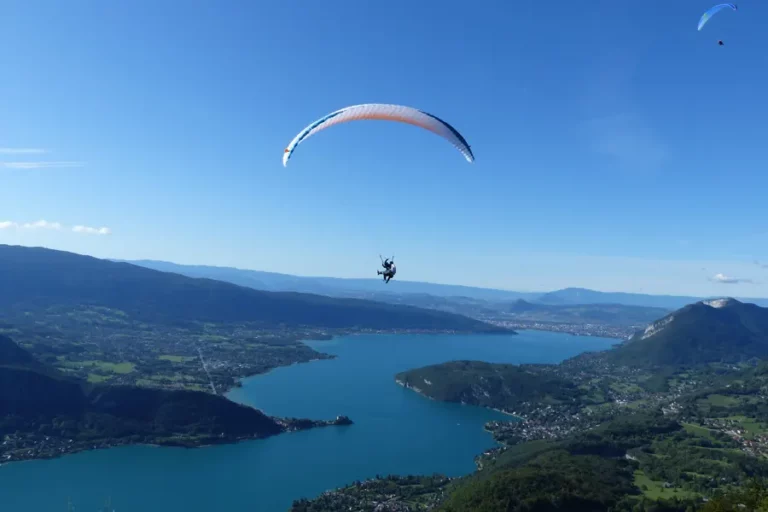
x=473, y=287
x=697, y=298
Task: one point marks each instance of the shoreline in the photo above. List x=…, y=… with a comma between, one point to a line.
x=571, y=332
x=237, y=384
x=288, y=425
x=333, y=337
x=520, y=418
x=239, y=380
x=421, y=393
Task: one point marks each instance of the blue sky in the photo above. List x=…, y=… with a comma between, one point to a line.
x=617, y=147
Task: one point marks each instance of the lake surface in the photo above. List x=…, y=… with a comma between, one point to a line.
x=395, y=431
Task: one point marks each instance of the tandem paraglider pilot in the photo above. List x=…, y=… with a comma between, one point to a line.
x=389, y=269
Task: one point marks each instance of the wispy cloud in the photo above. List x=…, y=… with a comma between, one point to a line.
x=723, y=279
x=42, y=224
x=39, y=165
x=55, y=226
x=33, y=164
x=761, y=264
x=22, y=151
x=88, y=230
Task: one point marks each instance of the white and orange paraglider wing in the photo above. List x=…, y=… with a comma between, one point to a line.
x=374, y=111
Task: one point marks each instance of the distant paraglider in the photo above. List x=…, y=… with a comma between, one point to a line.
x=711, y=12
x=384, y=112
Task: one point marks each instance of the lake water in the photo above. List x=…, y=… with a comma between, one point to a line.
x=395, y=431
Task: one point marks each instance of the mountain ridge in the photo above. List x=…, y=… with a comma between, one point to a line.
x=333, y=286
x=276, y=281
x=39, y=277
x=714, y=330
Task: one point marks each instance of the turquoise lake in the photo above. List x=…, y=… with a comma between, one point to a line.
x=395, y=431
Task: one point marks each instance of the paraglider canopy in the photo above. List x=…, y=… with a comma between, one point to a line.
x=399, y=113
x=712, y=11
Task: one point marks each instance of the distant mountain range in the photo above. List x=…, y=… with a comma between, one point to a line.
x=372, y=288
x=331, y=286
x=585, y=296
x=36, y=278
x=597, y=314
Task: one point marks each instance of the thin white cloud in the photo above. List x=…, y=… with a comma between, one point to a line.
x=39, y=165
x=54, y=226
x=723, y=279
x=22, y=151
x=761, y=264
x=42, y=224
x=88, y=230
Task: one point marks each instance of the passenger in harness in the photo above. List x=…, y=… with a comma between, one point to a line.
x=389, y=269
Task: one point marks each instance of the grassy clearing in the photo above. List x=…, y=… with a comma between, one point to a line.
x=699, y=431
x=655, y=490
x=652, y=489
x=621, y=387
x=103, y=366
x=721, y=400
x=751, y=425
x=121, y=368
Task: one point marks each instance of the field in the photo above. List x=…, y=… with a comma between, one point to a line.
x=698, y=430
x=654, y=489
x=100, y=345
x=751, y=425
x=721, y=400
x=104, y=367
